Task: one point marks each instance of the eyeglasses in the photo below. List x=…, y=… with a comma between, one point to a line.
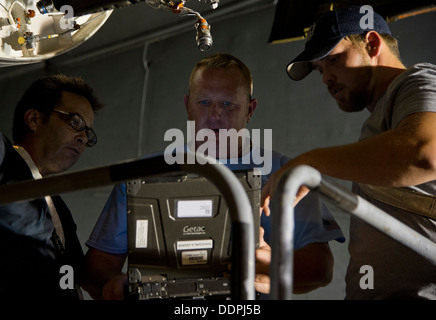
x=78, y=123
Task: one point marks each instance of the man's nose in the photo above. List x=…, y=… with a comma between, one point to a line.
x=215, y=110
x=327, y=76
x=81, y=137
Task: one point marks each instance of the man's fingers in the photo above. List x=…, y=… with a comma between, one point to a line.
x=301, y=193
x=262, y=283
x=265, y=207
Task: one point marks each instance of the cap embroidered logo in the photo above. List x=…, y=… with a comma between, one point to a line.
x=310, y=32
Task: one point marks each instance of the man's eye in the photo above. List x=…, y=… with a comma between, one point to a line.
x=332, y=59
x=76, y=122
x=227, y=104
x=204, y=102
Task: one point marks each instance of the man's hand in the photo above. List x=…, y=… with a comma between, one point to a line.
x=103, y=277
x=114, y=289
x=263, y=260
x=269, y=188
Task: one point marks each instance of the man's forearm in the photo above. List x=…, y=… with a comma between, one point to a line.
x=100, y=269
x=313, y=267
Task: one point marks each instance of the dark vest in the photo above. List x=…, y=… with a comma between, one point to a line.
x=29, y=263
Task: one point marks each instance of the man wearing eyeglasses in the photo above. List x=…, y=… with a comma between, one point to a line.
x=52, y=126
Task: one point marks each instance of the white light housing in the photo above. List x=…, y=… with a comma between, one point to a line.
x=27, y=36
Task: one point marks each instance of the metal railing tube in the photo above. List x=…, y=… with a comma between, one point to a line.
x=366, y=211
x=243, y=246
x=282, y=235
x=223, y=178
x=282, y=212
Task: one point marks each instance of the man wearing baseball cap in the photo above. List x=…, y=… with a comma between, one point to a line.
x=393, y=165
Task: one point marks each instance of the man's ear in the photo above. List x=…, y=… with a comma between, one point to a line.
x=374, y=43
x=186, y=100
x=251, y=107
x=32, y=118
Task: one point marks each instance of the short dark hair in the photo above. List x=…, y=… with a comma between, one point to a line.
x=390, y=41
x=223, y=61
x=44, y=94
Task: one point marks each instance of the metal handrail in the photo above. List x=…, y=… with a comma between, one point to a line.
x=227, y=183
x=283, y=224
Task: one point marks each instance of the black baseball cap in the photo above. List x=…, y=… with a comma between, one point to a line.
x=329, y=30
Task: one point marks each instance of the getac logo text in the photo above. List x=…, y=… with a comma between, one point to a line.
x=194, y=230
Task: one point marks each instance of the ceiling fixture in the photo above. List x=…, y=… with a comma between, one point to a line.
x=32, y=31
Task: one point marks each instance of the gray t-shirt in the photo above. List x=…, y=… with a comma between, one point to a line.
x=396, y=272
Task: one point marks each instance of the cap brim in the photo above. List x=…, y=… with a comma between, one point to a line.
x=301, y=66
